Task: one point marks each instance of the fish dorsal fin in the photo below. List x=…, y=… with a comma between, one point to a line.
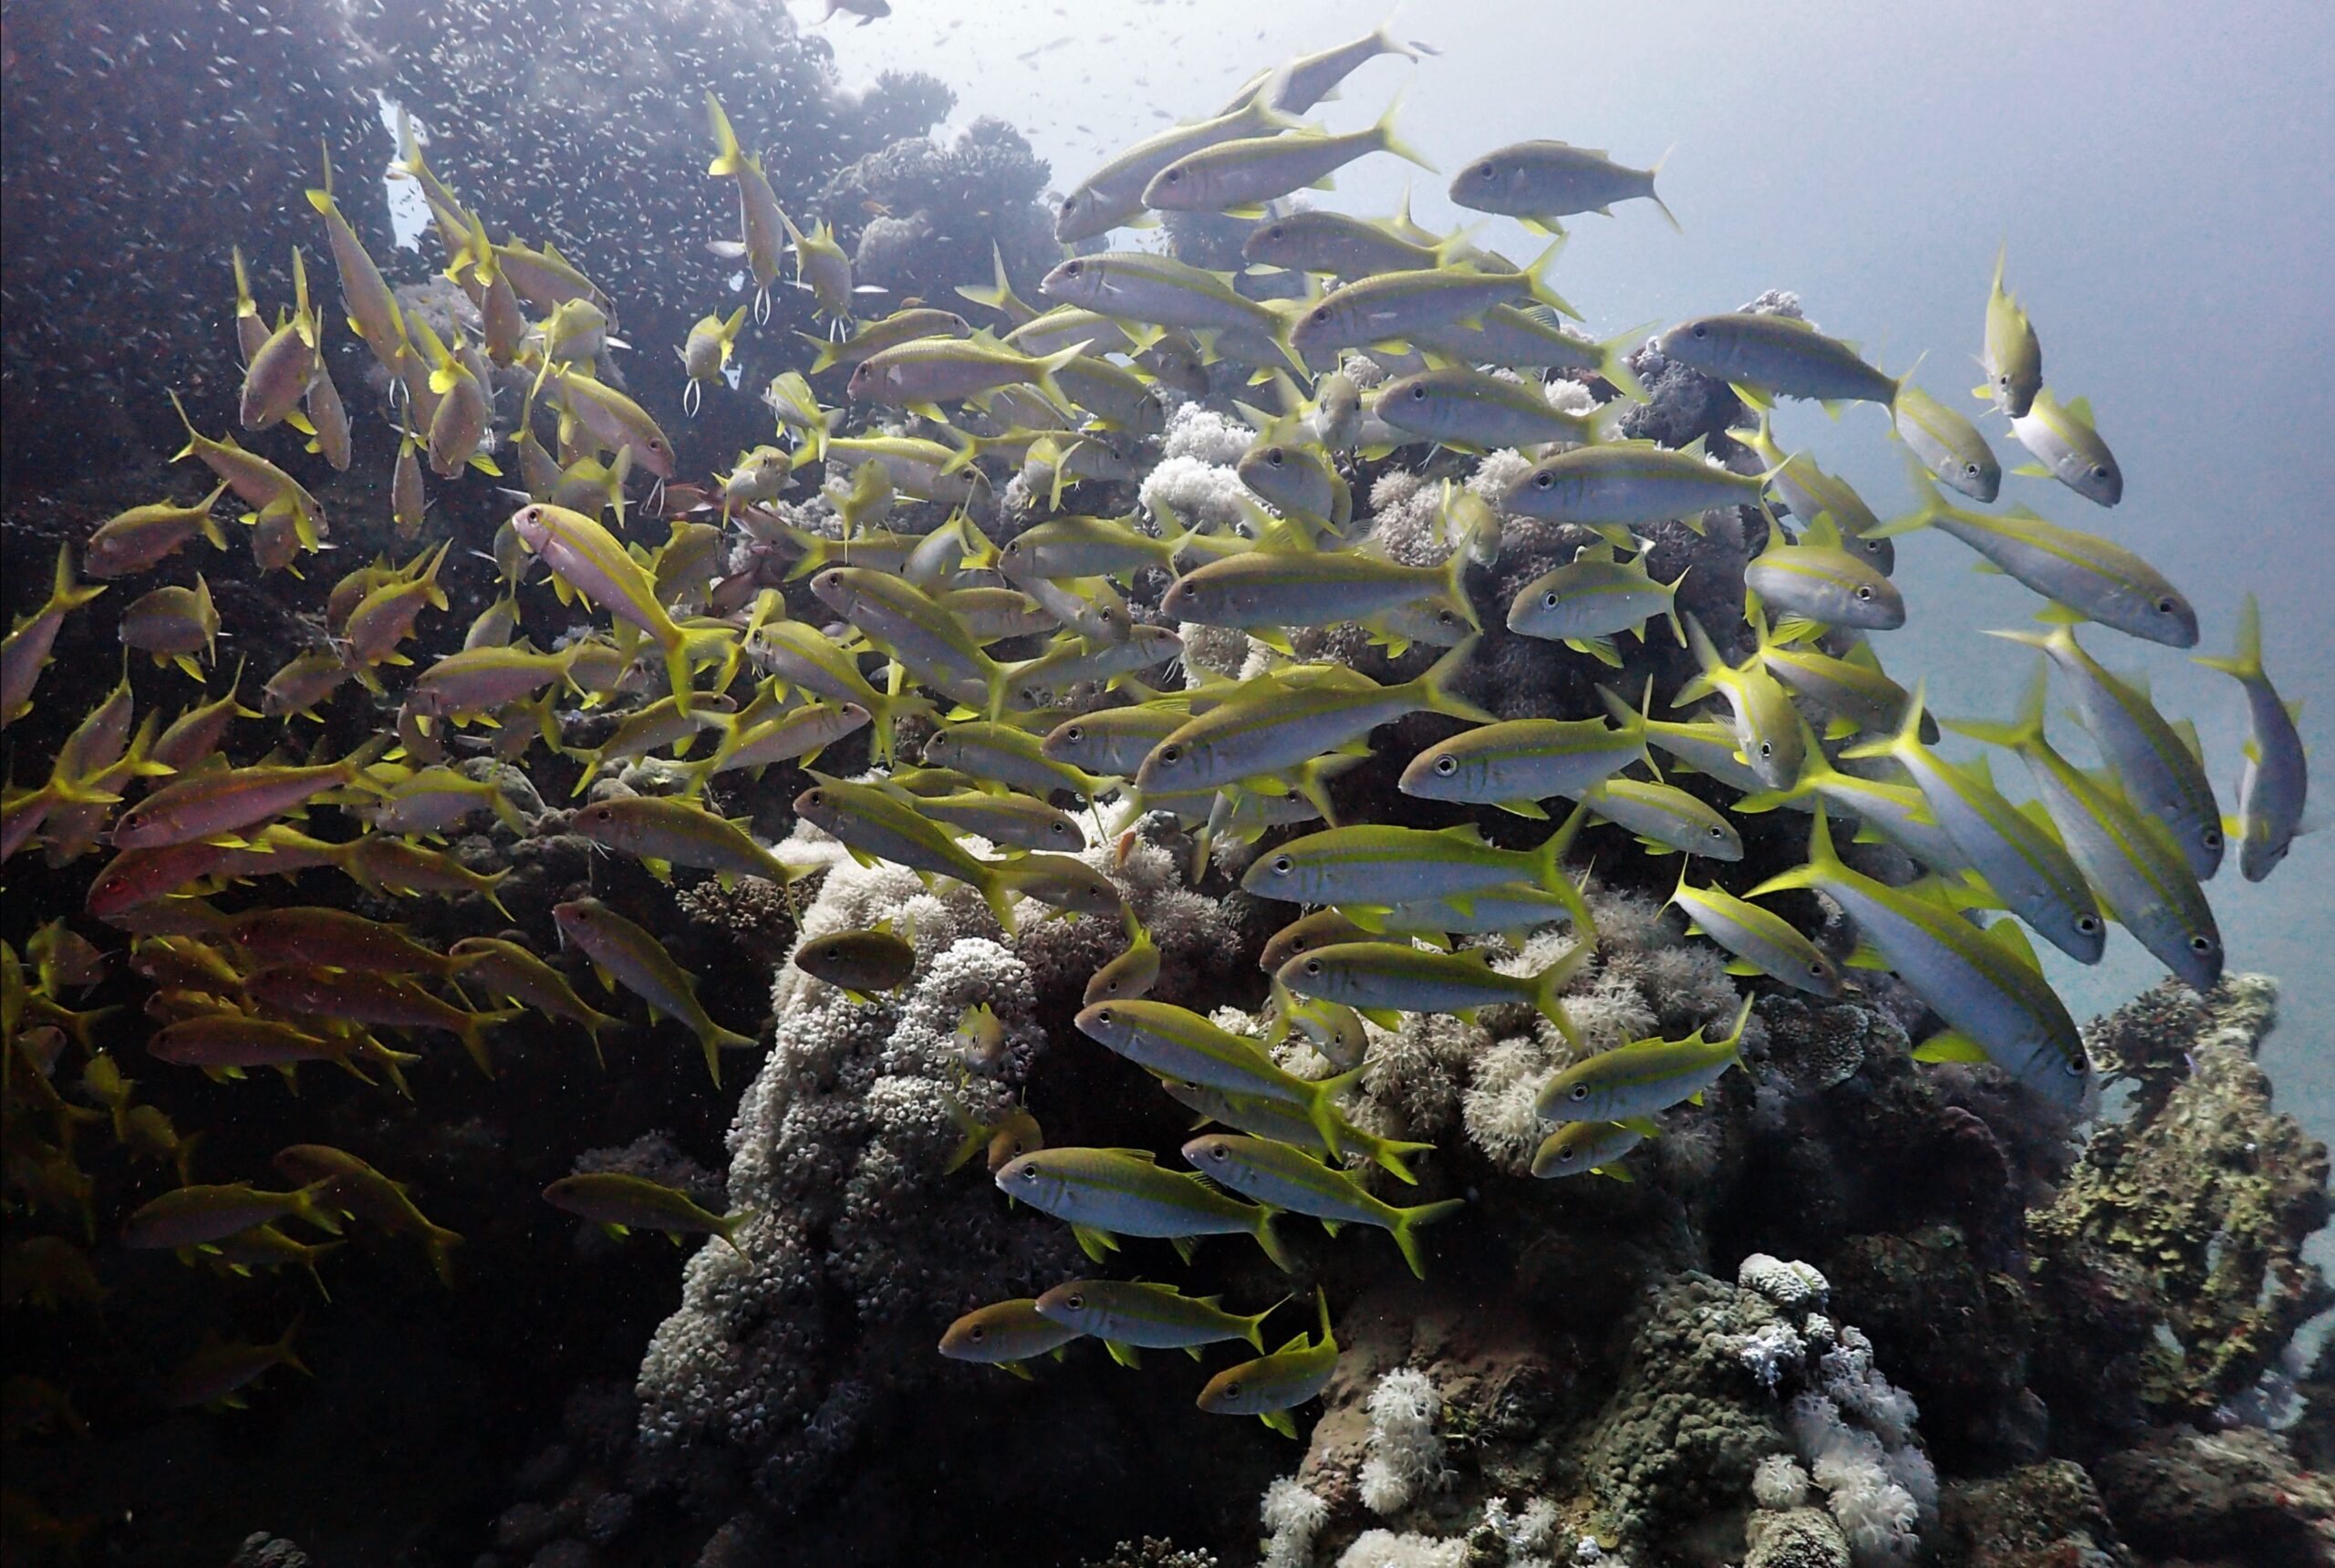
x=1824, y=532
x=2011, y=937
x=2080, y=410
x=1464, y=833
x=1145, y=1155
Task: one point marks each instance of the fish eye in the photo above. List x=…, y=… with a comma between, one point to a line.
x=1702, y=331
x=818, y=799
x=1029, y=1173
x=1970, y=468
x=2201, y=943
x=1443, y=618
x=1171, y=754
x=1817, y=969
x=1276, y=231
x=1549, y=600
x=2075, y=1069
x=1273, y=456
x=1322, y=314
x=1717, y=832
x=2003, y=381
x=2167, y=605
x=977, y=1332
x=1232, y=1391
x=2213, y=839
x=1544, y=480
x=1864, y=591
x=1313, y=966
x=1103, y=1016
x=1070, y=269
x=1766, y=748
x=1418, y=394
x=1566, y=1155
x=2100, y=471
x=1075, y=732
x=1217, y=1152
x=1445, y=766
x=1283, y=864
x=2087, y=924
x=1056, y=828
x=1174, y=175
x=1488, y=171
x=1076, y=1301
x=1580, y=1091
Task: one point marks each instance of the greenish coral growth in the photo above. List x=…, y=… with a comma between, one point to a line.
x=1679, y=1439
x=2202, y=1196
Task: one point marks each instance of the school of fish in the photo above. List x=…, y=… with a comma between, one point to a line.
x=736, y=644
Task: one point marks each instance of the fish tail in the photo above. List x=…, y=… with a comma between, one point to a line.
x=727, y=1228
x=1823, y=863
x=829, y=352
x=321, y=200
x=731, y=157
x=1614, y=364
x=193, y=436
x=1388, y=1155
x=678, y=672
x=1434, y=692
x=307, y=1204
x=1270, y=1240
x=1653, y=196
x=281, y=1348
x=2244, y=662
x=1390, y=142
x=997, y=892
x=1734, y=1040
x=1455, y=571
x=1909, y=732
x=1323, y=1108
x=1050, y=364
x=1531, y=272
x=1933, y=505
x=1254, y=1332
x=1549, y=870
x=1408, y=1221
x=2023, y=730
x=440, y=1243
x=1548, y=985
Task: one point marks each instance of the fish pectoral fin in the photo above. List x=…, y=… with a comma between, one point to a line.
x=1279, y=1422
x=1949, y=1046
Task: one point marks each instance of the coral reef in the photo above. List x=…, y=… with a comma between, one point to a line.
x=859, y=1236
x=2191, y=1214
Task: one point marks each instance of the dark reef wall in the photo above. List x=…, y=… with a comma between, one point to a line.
x=143, y=139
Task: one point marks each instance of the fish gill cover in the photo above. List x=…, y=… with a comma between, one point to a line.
x=1122, y=770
